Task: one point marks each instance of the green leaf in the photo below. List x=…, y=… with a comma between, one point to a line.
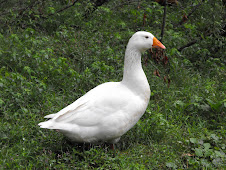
x=206, y=146
x=1, y=102
x=51, y=10
x=215, y=105
x=171, y=165
x=198, y=152
x=205, y=107
x=216, y=138
x=193, y=140
x=220, y=154
x=208, y=152
x=179, y=103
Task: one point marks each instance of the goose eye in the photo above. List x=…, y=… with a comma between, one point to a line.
x=146, y=37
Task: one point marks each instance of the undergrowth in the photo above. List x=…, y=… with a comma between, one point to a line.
x=42, y=72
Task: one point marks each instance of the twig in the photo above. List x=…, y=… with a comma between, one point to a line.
x=194, y=42
x=187, y=45
x=28, y=7
x=163, y=21
x=193, y=10
x=61, y=10
x=20, y=10
x=96, y=5
x=12, y=9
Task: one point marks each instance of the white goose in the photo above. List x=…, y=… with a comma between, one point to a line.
x=109, y=110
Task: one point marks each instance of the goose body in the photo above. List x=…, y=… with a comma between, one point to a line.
x=109, y=110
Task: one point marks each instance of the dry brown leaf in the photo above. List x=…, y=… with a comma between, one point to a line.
x=156, y=73
x=187, y=154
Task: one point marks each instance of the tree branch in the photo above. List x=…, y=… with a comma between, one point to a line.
x=193, y=10
x=20, y=10
x=194, y=42
x=96, y=4
x=187, y=45
x=66, y=7
x=163, y=21
x=28, y=7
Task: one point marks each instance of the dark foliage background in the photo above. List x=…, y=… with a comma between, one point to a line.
x=53, y=52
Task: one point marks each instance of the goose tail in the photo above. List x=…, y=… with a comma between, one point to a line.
x=47, y=125
x=50, y=116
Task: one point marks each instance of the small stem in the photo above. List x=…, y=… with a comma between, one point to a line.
x=163, y=21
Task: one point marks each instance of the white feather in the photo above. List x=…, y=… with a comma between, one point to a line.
x=109, y=110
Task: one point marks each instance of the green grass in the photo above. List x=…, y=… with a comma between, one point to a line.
x=179, y=130
x=42, y=70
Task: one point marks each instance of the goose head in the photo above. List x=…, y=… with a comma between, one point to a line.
x=143, y=41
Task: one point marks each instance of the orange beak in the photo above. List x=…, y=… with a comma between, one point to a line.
x=157, y=44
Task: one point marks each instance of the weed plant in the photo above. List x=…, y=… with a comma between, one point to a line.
x=42, y=70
